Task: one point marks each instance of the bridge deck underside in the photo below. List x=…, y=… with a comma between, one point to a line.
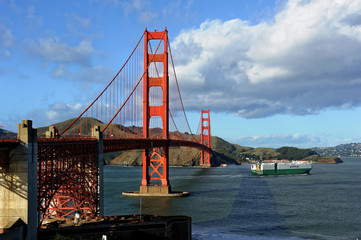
x=67, y=178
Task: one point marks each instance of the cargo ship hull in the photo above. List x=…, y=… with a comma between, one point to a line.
x=283, y=168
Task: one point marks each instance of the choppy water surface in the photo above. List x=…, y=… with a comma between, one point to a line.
x=229, y=203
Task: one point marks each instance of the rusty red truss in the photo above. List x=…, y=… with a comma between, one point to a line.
x=67, y=178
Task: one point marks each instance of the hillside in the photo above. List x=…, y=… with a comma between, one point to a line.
x=181, y=156
x=247, y=154
x=224, y=152
x=85, y=126
x=7, y=134
x=345, y=150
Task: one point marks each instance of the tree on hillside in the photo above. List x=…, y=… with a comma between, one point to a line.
x=291, y=153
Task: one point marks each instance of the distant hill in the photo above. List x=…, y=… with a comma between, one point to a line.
x=248, y=154
x=183, y=156
x=7, y=134
x=344, y=150
x=224, y=152
x=85, y=128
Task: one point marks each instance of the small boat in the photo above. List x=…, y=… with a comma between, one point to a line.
x=282, y=167
x=223, y=165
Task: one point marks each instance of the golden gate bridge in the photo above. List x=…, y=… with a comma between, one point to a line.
x=141, y=108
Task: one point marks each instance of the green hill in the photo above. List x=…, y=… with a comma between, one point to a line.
x=345, y=150
x=223, y=151
x=7, y=134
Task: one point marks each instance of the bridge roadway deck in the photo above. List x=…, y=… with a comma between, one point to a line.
x=114, y=144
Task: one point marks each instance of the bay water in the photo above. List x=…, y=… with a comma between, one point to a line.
x=230, y=203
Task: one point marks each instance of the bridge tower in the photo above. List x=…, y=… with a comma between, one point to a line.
x=155, y=161
x=205, y=138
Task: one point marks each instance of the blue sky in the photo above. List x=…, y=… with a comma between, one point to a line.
x=273, y=73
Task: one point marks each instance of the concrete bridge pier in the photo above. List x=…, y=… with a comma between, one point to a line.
x=18, y=183
x=98, y=135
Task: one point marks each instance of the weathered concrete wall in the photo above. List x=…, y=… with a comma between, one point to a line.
x=14, y=188
x=18, y=186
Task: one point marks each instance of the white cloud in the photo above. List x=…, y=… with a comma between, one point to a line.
x=141, y=8
x=52, y=49
x=85, y=22
x=301, y=140
x=60, y=71
x=146, y=16
x=108, y=2
x=259, y=73
x=33, y=20
x=60, y=111
x=136, y=5
x=77, y=24
x=306, y=59
x=6, y=36
x=281, y=140
x=6, y=53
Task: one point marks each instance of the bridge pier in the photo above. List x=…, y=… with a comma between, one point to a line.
x=18, y=183
x=96, y=133
x=155, y=189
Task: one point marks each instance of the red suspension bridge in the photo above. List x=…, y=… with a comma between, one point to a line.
x=141, y=108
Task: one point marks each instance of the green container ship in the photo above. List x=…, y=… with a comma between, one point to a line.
x=281, y=167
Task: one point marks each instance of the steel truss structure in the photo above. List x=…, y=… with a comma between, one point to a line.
x=67, y=178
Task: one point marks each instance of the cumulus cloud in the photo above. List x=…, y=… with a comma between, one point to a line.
x=305, y=60
x=60, y=111
x=52, y=49
x=56, y=112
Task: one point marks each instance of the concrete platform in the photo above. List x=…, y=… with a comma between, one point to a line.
x=155, y=191
x=169, y=195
